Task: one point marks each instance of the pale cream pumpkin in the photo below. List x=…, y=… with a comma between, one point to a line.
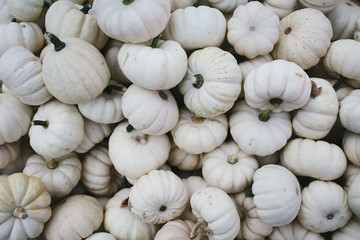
x=183, y=160
x=25, y=207
x=120, y=222
x=253, y=29
x=106, y=107
x=212, y=82
x=146, y=18
x=349, y=175
x=24, y=10
x=305, y=36
x=227, y=6
x=318, y=116
x=349, y=111
x=8, y=153
x=75, y=217
x=196, y=27
x=21, y=72
x=15, y=118
x=196, y=135
x=281, y=7
x=229, y=168
x=354, y=196
x=57, y=129
x=251, y=226
x=176, y=4
x=67, y=19
x=146, y=152
x=101, y=236
x=278, y=85
x=248, y=65
x=277, y=194
x=25, y=34
x=5, y=15
x=350, y=231
x=257, y=132
x=158, y=197
x=60, y=175
x=351, y=147
x=175, y=229
x=324, y=207
x=98, y=173
x=161, y=107
x=324, y=6
x=157, y=65
x=217, y=215
x=317, y=159
x=74, y=71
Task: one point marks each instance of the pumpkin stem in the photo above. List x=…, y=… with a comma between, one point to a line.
x=340, y=80
x=265, y=116
x=249, y=194
x=58, y=44
x=110, y=88
x=129, y=128
x=20, y=213
x=52, y=164
x=288, y=30
x=315, y=91
x=242, y=215
x=128, y=2
x=155, y=41
x=124, y=203
x=197, y=119
x=86, y=8
x=43, y=123
x=142, y=139
x=163, y=95
x=275, y=102
x=197, y=80
x=232, y=159
x=13, y=20
x=198, y=230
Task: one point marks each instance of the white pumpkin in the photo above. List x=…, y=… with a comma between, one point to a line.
x=59, y=175
x=217, y=215
x=229, y=168
x=176, y=4
x=278, y=86
x=324, y=207
x=25, y=34
x=158, y=197
x=75, y=217
x=305, y=36
x=106, y=107
x=57, y=129
x=183, y=160
x=196, y=27
x=324, y=6
x=67, y=19
x=294, y=231
x=350, y=231
x=158, y=66
x=21, y=72
x=357, y=30
x=281, y=7
x=212, y=82
x=24, y=10
x=146, y=18
x=161, y=110
x=354, y=196
x=9, y=153
x=175, y=229
x=146, y=152
x=120, y=222
x=5, y=15
x=98, y=173
x=349, y=111
x=318, y=116
x=277, y=195
x=251, y=226
x=25, y=207
x=196, y=135
x=350, y=174
x=268, y=159
x=317, y=159
x=74, y=71
x=253, y=30
x=248, y=65
x=257, y=132
x=101, y=236
x=227, y=6
x=15, y=118
x=351, y=147
x=93, y=134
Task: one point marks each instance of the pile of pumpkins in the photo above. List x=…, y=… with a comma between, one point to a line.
x=179, y=119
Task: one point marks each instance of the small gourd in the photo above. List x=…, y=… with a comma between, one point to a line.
x=175, y=229
x=184, y=160
x=350, y=231
x=324, y=6
x=349, y=111
x=354, y=196
x=351, y=147
x=24, y=10
x=281, y=7
x=8, y=153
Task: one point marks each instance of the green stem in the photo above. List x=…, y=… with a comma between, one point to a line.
x=110, y=88
x=128, y=2
x=86, y=8
x=197, y=119
x=129, y=128
x=43, y=123
x=58, y=44
x=275, y=102
x=197, y=80
x=249, y=194
x=340, y=80
x=265, y=116
x=155, y=41
x=13, y=20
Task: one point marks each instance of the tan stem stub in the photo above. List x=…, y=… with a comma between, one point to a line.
x=197, y=119
x=163, y=95
x=19, y=212
x=124, y=203
x=199, y=230
x=52, y=164
x=142, y=139
x=315, y=90
x=232, y=159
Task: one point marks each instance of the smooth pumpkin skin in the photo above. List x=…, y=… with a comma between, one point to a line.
x=349, y=111
x=354, y=196
x=175, y=229
x=351, y=147
x=8, y=153
x=323, y=6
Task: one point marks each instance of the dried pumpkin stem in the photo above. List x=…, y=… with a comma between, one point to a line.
x=340, y=80
x=58, y=44
x=43, y=123
x=232, y=159
x=198, y=230
x=242, y=214
x=14, y=20
x=86, y=8
x=155, y=41
x=110, y=88
x=52, y=164
x=197, y=119
x=20, y=213
x=142, y=138
x=315, y=90
x=163, y=95
x=197, y=80
x=128, y=2
x=124, y=203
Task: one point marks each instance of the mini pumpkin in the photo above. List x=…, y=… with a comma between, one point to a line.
x=349, y=111
x=8, y=153
x=183, y=160
x=175, y=229
x=354, y=195
x=281, y=7
x=323, y=6
x=25, y=10
x=351, y=147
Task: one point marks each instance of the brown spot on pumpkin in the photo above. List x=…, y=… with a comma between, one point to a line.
x=288, y=30
x=299, y=75
x=330, y=216
x=297, y=191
